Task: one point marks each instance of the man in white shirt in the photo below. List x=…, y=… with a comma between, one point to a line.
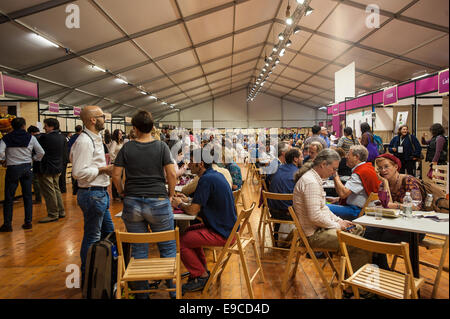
x=317, y=220
x=93, y=175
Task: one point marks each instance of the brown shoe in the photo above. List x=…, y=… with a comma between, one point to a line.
x=48, y=219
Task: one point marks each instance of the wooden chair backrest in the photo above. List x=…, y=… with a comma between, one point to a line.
x=276, y=196
x=299, y=228
x=439, y=175
x=144, y=238
x=241, y=222
x=236, y=195
x=372, y=197
x=401, y=249
x=264, y=185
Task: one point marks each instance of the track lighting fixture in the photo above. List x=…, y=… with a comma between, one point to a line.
x=309, y=10
x=281, y=36
x=288, y=43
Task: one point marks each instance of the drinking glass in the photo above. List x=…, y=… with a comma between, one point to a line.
x=378, y=213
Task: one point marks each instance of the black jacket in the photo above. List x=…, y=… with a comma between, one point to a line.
x=55, y=147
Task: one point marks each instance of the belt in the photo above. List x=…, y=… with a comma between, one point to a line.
x=95, y=188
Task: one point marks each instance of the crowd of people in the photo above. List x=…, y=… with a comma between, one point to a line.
x=144, y=168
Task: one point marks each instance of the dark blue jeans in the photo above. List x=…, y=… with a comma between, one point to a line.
x=347, y=212
x=15, y=174
x=138, y=214
x=97, y=219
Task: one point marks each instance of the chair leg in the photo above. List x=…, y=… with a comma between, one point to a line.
x=245, y=269
x=214, y=255
x=439, y=272
x=287, y=271
x=212, y=277
x=322, y=275
x=261, y=220
x=258, y=261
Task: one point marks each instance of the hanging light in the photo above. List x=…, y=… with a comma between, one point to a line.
x=277, y=61
x=282, y=51
x=275, y=48
x=288, y=43
x=270, y=58
x=289, y=20
x=297, y=30
x=309, y=10
x=264, y=70
x=281, y=36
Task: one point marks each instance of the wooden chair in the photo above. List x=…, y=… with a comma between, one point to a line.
x=372, y=197
x=260, y=223
x=388, y=284
x=300, y=245
x=439, y=177
x=236, y=244
x=268, y=221
x=150, y=268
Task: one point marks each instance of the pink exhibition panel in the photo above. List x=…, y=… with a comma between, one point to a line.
x=426, y=85
x=378, y=97
x=53, y=107
x=443, y=82
x=76, y=110
x=21, y=87
x=2, y=90
x=390, y=96
x=406, y=90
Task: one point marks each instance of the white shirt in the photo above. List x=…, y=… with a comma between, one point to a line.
x=86, y=160
x=310, y=205
x=21, y=155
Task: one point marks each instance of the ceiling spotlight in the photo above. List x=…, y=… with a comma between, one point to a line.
x=296, y=30
x=281, y=36
x=275, y=48
x=300, y=1
x=289, y=21
x=270, y=58
x=264, y=70
x=164, y=103
x=288, y=43
x=277, y=61
x=309, y=10
x=263, y=83
x=144, y=93
x=282, y=51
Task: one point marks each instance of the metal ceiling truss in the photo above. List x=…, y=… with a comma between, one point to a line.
x=32, y=10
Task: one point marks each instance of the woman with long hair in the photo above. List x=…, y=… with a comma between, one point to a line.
x=368, y=141
x=347, y=140
x=406, y=148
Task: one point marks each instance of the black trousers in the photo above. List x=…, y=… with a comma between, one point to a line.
x=62, y=180
x=409, y=167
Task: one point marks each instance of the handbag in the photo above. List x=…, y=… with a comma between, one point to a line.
x=373, y=150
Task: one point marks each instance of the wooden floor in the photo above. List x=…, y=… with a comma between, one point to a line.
x=33, y=262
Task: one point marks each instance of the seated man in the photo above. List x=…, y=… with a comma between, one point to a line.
x=362, y=182
x=318, y=222
x=283, y=183
x=273, y=166
x=213, y=201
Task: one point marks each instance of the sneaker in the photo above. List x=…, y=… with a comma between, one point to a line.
x=48, y=219
x=195, y=284
x=5, y=229
x=27, y=226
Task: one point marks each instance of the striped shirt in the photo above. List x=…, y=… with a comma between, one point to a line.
x=310, y=205
x=345, y=143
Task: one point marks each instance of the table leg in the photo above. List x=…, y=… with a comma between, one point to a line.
x=414, y=253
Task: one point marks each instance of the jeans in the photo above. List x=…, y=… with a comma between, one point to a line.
x=97, y=219
x=138, y=214
x=347, y=212
x=14, y=175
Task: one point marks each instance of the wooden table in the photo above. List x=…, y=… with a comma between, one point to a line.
x=414, y=226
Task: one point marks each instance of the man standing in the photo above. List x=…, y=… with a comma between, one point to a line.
x=93, y=175
x=33, y=130
x=73, y=138
x=362, y=183
x=17, y=148
x=324, y=135
x=54, y=145
x=316, y=137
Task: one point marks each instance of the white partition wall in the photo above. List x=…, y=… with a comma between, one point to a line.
x=232, y=111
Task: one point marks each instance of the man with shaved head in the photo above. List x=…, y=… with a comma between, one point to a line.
x=90, y=170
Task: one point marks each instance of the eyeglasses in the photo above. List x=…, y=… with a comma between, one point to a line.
x=102, y=116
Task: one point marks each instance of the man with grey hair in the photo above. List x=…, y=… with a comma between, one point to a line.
x=318, y=222
x=362, y=182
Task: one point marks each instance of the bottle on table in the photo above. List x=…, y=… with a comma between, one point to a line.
x=407, y=205
x=429, y=202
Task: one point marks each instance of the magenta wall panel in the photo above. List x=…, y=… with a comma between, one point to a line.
x=21, y=87
x=427, y=85
x=406, y=90
x=443, y=82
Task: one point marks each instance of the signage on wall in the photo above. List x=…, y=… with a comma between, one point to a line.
x=53, y=107
x=76, y=111
x=390, y=96
x=402, y=118
x=2, y=88
x=443, y=82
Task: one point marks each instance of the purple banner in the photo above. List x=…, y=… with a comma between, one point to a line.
x=406, y=90
x=335, y=121
x=2, y=90
x=443, y=82
x=53, y=107
x=76, y=110
x=390, y=96
x=427, y=85
x=21, y=87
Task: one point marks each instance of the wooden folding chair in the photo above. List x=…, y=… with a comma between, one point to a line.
x=372, y=197
x=150, y=268
x=236, y=244
x=439, y=177
x=369, y=277
x=300, y=245
x=268, y=221
x=260, y=223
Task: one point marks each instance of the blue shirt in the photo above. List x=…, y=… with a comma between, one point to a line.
x=283, y=183
x=327, y=140
x=236, y=175
x=214, y=195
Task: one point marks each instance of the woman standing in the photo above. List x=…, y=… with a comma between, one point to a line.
x=437, y=146
x=368, y=141
x=406, y=148
x=347, y=140
x=114, y=148
x=147, y=163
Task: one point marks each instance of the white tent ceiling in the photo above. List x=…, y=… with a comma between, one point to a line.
x=189, y=51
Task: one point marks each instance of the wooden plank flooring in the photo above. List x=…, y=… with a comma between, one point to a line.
x=33, y=262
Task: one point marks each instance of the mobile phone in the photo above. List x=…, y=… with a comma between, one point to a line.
x=350, y=228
